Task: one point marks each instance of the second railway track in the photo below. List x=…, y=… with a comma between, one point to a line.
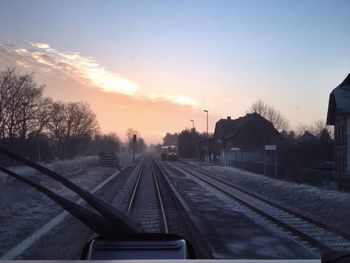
x=314, y=235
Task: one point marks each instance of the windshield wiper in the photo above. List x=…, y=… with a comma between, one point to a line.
x=120, y=220
x=93, y=220
x=120, y=236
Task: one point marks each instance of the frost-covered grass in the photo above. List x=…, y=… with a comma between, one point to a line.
x=125, y=158
x=330, y=205
x=23, y=209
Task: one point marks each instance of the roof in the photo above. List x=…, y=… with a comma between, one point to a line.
x=223, y=126
x=339, y=101
x=242, y=121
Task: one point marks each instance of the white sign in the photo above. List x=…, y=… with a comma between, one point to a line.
x=270, y=147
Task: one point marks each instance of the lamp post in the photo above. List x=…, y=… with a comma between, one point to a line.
x=193, y=154
x=207, y=149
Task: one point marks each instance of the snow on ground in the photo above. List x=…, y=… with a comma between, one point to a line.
x=330, y=205
x=240, y=232
x=23, y=209
x=125, y=158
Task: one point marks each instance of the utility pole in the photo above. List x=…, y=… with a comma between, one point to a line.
x=39, y=150
x=192, y=147
x=207, y=149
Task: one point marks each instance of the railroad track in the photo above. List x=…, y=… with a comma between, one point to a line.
x=317, y=236
x=146, y=203
x=200, y=243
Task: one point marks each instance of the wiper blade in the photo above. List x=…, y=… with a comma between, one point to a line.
x=93, y=220
x=120, y=220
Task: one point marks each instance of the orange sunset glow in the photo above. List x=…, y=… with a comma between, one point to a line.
x=115, y=99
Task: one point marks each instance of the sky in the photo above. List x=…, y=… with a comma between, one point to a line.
x=155, y=65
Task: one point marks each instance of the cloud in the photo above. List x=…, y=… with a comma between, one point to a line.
x=184, y=100
x=178, y=99
x=72, y=64
x=22, y=64
x=43, y=58
x=85, y=69
x=40, y=45
x=21, y=51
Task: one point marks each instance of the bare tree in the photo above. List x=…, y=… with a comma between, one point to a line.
x=74, y=119
x=140, y=145
x=316, y=129
x=107, y=143
x=32, y=98
x=43, y=115
x=271, y=114
x=80, y=119
x=259, y=107
x=70, y=125
x=7, y=81
x=57, y=125
x=20, y=101
x=26, y=114
x=10, y=102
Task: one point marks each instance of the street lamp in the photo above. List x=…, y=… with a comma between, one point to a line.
x=192, y=133
x=207, y=149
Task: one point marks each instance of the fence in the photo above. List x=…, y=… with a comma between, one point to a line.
x=324, y=179
x=250, y=161
x=108, y=160
x=254, y=162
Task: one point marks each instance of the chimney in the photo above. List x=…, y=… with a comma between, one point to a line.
x=229, y=117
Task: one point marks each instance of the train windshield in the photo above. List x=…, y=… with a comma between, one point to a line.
x=221, y=128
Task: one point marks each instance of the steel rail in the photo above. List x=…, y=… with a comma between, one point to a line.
x=204, y=247
x=311, y=240
x=280, y=206
x=160, y=199
x=135, y=188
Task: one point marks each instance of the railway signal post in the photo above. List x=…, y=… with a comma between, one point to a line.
x=133, y=147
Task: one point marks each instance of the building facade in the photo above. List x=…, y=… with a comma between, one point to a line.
x=222, y=128
x=338, y=115
x=251, y=132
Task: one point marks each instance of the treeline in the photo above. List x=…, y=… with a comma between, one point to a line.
x=184, y=140
x=140, y=144
x=41, y=128
x=309, y=146
x=313, y=149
